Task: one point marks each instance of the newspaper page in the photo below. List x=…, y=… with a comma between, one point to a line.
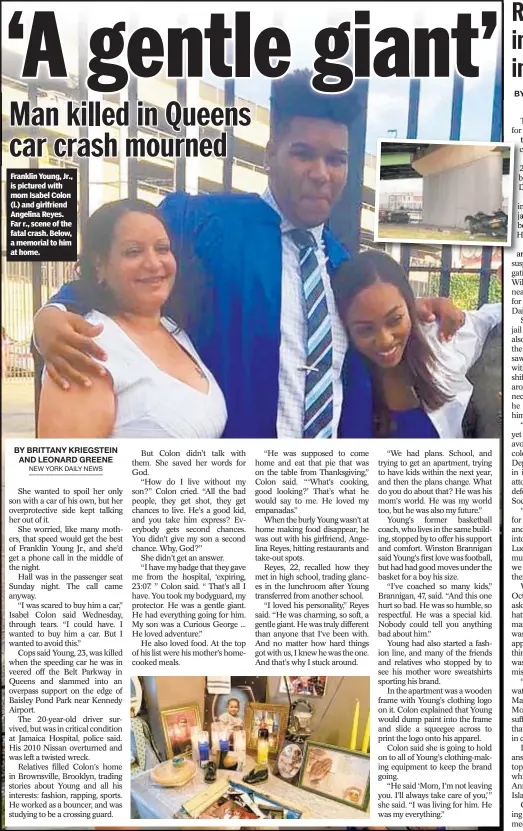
x=513, y=796
x=228, y=229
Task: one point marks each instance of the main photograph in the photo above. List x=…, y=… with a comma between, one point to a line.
x=250, y=747
x=246, y=297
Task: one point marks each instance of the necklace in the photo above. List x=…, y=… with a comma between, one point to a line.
x=125, y=326
x=194, y=362
x=197, y=367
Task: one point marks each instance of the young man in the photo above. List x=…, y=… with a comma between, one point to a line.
x=253, y=286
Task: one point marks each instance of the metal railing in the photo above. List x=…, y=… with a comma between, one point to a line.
x=468, y=288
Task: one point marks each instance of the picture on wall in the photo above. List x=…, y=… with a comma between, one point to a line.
x=177, y=724
x=313, y=685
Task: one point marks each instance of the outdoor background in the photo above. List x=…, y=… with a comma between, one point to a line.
x=466, y=274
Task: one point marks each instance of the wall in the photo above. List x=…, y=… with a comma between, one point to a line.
x=458, y=181
x=166, y=693
x=333, y=712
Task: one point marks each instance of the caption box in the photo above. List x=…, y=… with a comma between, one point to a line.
x=42, y=215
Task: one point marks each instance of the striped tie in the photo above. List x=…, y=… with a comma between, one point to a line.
x=317, y=418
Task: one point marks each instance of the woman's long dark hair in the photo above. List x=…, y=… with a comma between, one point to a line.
x=363, y=271
x=96, y=243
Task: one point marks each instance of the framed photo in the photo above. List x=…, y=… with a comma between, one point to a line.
x=274, y=716
x=290, y=761
x=177, y=724
x=229, y=708
x=304, y=685
x=337, y=773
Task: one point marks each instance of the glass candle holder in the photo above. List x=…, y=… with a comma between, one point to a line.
x=262, y=750
x=195, y=732
x=239, y=738
x=216, y=729
x=203, y=747
x=224, y=747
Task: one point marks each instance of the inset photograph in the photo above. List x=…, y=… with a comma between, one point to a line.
x=444, y=192
x=240, y=747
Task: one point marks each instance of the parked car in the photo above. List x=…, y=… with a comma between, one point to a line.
x=400, y=217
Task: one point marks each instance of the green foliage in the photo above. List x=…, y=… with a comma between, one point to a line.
x=464, y=289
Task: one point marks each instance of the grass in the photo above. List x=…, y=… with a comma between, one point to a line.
x=401, y=232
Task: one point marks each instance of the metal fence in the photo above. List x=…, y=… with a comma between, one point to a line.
x=468, y=288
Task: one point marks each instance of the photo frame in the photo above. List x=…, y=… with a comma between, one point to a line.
x=275, y=716
x=304, y=685
x=245, y=689
x=176, y=724
x=337, y=773
x=289, y=761
x=440, y=206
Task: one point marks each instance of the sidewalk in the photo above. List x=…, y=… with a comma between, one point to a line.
x=18, y=409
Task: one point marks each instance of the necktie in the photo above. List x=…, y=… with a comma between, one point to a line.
x=317, y=418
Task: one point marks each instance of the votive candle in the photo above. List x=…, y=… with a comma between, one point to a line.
x=195, y=732
x=203, y=747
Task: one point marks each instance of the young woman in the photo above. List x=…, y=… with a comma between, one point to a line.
x=154, y=383
x=419, y=384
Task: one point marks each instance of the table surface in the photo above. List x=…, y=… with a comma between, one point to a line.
x=150, y=801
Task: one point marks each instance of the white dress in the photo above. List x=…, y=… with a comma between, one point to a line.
x=455, y=358
x=150, y=403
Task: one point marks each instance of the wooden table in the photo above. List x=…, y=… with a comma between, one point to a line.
x=150, y=801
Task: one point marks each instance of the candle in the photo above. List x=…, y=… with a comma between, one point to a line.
x=195, y=732
x=269, y=723
x=240, y=741
x=239, y=738
x=203, y=747
x=355, y=724
x=223, y=749
x=216, y=728
x=262, y=755
x=366, y=736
